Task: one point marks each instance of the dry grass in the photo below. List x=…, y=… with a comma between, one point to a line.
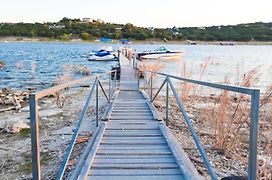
x=189, y=90
x=265, y=163
x=144, y=66
x=33, y=69
x=227, y=114
x=59, y=96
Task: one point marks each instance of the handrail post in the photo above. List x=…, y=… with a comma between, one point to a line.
x=96, y=107
x=167, y=102
x=35, y=139
x=253, y=139
x=115, y=80
x=109, y=86
x=144, y=80
x=138, y=78
x=151, y=85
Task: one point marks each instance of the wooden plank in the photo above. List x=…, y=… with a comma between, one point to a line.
x=127, y=113
x=133, y=157
x=132, y=135
x=136, y=166
x=133, y=126
x=136, y=119
x=92, y=153
x=134, y=172
x=133, y=131
x=133, y=147
x=134, y=160
x=114, y=142
x=131, y=109
x=134, y=138
x=85, y=154
x=111, y=128
x=131, y=117
x=128, y=141
x=137, y=177
x=185, y=165
x=134, y=152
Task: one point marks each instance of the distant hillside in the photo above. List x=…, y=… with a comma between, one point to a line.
x=88, y=29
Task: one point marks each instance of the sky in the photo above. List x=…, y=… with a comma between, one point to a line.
x=145, y=13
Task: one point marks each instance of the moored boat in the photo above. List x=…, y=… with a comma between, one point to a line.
x=160, y=53
x=104, y=54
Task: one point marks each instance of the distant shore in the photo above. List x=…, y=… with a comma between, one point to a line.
x=182, y=42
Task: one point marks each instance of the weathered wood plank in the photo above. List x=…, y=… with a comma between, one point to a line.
x=139, y=142
x=136, y=166
x=134, y=160
x=133, y=147
x=133, y=157
x=161, y=138
x=134, y=172
x=92, y=153
x=137, y=177
x=132, y=135
x=134, y=152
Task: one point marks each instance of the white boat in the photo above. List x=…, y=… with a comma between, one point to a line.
x=160, y=53
x=102, y=55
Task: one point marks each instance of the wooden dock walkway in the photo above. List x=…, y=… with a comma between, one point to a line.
x=133, y=144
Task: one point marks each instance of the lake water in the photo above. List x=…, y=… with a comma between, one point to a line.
x=50, y=59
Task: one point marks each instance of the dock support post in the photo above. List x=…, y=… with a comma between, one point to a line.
x=35, y=139
x=138, y=78
x=253, y=139
x=110, y=86
x=167, y=102
x=115, y=80
x=151, y=85
x=96, y=107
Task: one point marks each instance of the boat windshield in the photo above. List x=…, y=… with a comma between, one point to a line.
x=162, y=48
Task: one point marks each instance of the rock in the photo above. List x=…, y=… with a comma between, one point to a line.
x=26, y=109
x=18, y=126
x=50, y=112
x=242, y=130
x=17, y=104
x=2, y=64
x=9, y=100
x=191, y=116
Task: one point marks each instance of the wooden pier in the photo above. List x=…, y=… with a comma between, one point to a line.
x=133, y=143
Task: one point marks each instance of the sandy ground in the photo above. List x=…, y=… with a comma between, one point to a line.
x=56, y=128
x=226, y=162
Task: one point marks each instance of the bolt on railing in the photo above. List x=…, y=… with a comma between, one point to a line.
x=34, y=121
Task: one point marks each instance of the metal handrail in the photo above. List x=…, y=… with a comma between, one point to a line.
x=35, y=138
x=254, y=117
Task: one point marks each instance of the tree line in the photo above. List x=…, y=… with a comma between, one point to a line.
x=67, y=29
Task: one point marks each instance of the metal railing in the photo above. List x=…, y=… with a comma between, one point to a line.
x=254, y=115
x=34, y=120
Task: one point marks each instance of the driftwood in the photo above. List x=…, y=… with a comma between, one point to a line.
x=4, y=149
x=7, y=109
x=82, y=140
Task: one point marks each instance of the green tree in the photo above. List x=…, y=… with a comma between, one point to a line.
x=85, y=36
x=65, y=37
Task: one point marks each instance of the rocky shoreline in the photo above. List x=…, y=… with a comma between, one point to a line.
x=56, y=128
